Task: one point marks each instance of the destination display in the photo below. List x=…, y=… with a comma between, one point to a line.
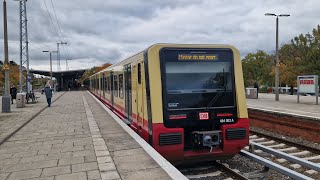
x=204, y=57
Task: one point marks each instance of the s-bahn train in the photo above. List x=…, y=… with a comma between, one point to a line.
x=187, y=101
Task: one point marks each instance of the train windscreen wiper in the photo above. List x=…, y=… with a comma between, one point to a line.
x=216, y=97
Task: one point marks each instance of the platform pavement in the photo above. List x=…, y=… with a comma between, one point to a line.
x=75, y=139
x=9, y=122
x=287, y=104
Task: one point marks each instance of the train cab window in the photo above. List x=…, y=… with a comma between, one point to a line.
x=121, y=86
x=115, y=87
x=139, y=73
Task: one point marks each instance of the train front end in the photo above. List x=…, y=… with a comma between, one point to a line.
x=204, y=115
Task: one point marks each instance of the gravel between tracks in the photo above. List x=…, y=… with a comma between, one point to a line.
x=245, y=165
x=240, y=163
x=289, y=138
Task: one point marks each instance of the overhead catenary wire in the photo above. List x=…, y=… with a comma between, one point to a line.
x=60, y=30
x=55, y=15
x=49, y=15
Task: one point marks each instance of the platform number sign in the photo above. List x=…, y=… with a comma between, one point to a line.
x=204, y=116
x=308, y=85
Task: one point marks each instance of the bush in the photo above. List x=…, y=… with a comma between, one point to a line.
x=263, y=89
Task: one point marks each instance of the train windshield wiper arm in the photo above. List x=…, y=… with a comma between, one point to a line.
x=215, y=98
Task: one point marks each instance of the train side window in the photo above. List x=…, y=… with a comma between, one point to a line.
x=115, y=87
x=139, y=73
x=109, y=85
x=121, y=86
x=105, y=83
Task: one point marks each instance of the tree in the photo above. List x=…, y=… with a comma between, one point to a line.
x=300, y=57
x=257, y=67
x=94, y=70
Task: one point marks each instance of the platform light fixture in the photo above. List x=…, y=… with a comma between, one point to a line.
x=50, y=52
x=277, y=64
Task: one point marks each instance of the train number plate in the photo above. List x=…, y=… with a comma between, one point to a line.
x=203, y=115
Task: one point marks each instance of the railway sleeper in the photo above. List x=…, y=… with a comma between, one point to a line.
x=258, y=174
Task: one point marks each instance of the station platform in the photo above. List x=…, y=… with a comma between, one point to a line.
x=78, y=138
x=287, y=105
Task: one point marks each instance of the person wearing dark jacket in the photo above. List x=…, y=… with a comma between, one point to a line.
x=48, y=93
x=257, y=87
x=13, y=92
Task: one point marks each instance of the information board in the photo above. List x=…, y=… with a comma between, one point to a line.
x=308, y=85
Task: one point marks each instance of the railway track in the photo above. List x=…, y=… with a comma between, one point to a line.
x=294, y=126
x=301, y=160
x=288, y=158
x=212, y=170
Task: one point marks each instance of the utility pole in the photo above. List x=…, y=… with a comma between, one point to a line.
x=67, y=68
x=6, y=97
x=24, y=46
x=58, y=55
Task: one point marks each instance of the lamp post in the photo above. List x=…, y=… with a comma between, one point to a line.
x=277, y=64
x=6, y=97
x=50, y=52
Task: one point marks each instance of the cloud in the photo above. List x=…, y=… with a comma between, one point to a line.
x=101, y=31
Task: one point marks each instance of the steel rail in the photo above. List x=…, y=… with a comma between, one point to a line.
x=286, y=156
x=311, y=149
x=230, y=171
x=274, y=166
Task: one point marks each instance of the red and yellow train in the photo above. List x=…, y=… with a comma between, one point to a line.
x=187, y=101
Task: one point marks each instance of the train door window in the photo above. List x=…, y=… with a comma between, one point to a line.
x=121, y=86
x=139, y=73
x=109, y=86
x=115, y=80
x=106, y=83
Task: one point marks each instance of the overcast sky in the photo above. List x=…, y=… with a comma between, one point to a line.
x=101, y=31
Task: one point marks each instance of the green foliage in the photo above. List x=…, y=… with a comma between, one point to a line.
x=257, y=67
x=299, y=57
x=93, y=70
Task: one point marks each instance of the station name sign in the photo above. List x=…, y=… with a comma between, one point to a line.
x=184, y=57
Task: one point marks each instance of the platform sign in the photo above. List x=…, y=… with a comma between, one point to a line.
x=308, y=85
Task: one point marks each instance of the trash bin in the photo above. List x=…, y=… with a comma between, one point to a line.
x=21, y=100
x=251, y=93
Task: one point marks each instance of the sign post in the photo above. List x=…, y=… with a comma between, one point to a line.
x=308, y=85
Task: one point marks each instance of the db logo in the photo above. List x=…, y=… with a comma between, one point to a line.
x=204, y=116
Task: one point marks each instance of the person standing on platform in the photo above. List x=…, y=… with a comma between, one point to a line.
x=48, y=93
x=13, y=92
x=256, y=85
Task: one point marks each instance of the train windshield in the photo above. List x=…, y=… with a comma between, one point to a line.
x=195, y=83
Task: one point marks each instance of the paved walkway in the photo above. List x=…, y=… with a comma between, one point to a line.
x=75, y=139
x=287, y=104
x=9, y=122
